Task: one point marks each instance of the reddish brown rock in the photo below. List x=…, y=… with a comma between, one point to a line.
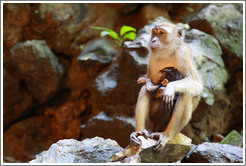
x=218, y=137
x=17, y=101
x=28, y=137
x=116, y=128
x=38, y=67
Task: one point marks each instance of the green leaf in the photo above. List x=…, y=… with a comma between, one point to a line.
x=99, y=28
x=113, y=34
x=104, y=33
x=130, y=35
x=124, y=29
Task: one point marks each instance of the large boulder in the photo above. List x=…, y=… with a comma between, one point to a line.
x=94, y=150
x=208, y=57
x=38, y=67
x=226, y=23
x=32, y=75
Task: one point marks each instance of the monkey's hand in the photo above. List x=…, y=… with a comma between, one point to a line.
x=161, y=140
x=134, y=140
x=141, y=80
x=168, y=96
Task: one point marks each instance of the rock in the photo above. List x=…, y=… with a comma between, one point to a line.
x=69, y=24
x=215, y=153
x=30, y=136
x=127, y=8
x=94, y=150
x=12, y=35
x=99, y=50
x=218, y=137
x=116, y=128
x=175, y=150
x=17, y=14
x=18, y=102
x=106, y=82
x=96, y=56
x=16, y=17
x=233, y=138
x=226, y=23
x=207, y=53
x=171, y=153
x=38, y=68
x=151, y=11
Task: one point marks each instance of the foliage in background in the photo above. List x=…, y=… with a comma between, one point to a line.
x=126, y=32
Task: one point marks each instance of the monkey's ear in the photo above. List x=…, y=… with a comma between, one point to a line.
x=181, y=32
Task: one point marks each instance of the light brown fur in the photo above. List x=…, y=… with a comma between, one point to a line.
x=174, y=53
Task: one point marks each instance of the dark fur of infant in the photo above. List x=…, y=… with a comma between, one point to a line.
x=160, y=111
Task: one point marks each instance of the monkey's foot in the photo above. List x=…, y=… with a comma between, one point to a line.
x=134, y=140
x=161, y=141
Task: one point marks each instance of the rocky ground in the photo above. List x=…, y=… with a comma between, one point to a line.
x=99, y=150
x=62, y=81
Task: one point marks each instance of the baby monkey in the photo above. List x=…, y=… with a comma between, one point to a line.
x=161, y=111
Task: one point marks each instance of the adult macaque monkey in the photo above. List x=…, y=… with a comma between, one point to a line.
x=169, y=50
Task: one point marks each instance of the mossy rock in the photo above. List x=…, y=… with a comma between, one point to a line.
x=233, y=138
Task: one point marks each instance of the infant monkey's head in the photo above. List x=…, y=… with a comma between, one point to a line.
x=168, y=74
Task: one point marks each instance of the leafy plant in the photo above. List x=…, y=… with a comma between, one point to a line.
x=126, y=32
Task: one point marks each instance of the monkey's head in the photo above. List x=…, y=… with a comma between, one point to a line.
x=169, y=73
x=165, y=35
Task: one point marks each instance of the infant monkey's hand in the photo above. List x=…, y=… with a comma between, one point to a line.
x=165, y=82
x=141, y=80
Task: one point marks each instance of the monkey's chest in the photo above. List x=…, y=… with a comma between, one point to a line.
x=156, y=65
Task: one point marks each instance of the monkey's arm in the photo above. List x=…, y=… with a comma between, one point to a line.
x=187, y=85
x=151, y=87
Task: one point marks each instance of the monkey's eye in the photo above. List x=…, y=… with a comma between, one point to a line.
x=161, y=33
x=154, y=31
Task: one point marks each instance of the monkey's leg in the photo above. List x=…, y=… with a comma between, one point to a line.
x=180, y=117
x=141, y=113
